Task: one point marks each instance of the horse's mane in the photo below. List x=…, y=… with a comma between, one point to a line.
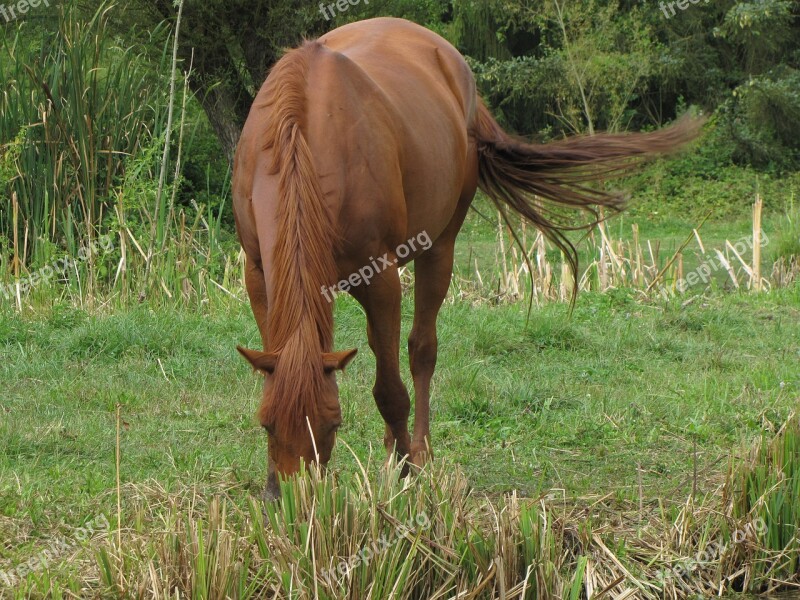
x=300, y=324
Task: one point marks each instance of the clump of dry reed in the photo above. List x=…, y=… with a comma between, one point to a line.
x=612, y=263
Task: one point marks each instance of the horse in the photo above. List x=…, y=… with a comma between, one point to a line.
x=360, y=141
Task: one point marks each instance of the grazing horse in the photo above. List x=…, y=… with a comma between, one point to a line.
x=370, y=137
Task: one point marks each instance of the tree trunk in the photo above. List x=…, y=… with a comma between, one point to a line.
x=230, y=47
x=225, y=113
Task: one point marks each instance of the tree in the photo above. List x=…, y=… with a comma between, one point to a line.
x=229, y=46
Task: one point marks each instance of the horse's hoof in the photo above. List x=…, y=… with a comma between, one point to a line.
x=420, y=458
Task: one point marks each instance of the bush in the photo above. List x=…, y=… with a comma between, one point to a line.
x=762, y=120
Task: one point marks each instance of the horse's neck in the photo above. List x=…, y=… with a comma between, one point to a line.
x=293, y=310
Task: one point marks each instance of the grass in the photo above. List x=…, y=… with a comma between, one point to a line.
x=768, y=488
x=87, y=130
x=634, y=253
x=552, y=400
x=577, y=455
x=75, y=104
x=608, y=403
x=621, y=416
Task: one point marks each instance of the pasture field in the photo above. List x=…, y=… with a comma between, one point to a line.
x=642, y=444
x=627, y=401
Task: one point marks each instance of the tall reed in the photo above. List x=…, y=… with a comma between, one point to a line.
x=91, y=136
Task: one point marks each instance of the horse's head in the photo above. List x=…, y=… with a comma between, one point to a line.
x=301, y=414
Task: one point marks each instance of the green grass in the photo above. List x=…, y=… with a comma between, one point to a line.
x=478, y=248
x=624, y=397
x=573, y=403
x=769, y=488
x=574, y=406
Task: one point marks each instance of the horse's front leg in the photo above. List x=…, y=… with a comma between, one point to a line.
x=257, y=291
x=381, y=301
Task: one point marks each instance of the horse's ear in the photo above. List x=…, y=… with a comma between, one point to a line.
x=261, y=361
x=336, y=361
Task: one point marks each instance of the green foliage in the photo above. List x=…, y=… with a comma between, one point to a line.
x=579, y=72
x=430, y=13
x=478, y=30
x=71, y=114
x=762, y=120
x=83, y=126
x=206, y=172
x=558, y=68
x=766, y=489
x=786, y=240
x=762, y=30
x=707, y=178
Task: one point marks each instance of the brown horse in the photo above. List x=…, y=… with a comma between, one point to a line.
x=365, y=139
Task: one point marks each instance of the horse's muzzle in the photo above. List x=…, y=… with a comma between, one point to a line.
x=273, y=490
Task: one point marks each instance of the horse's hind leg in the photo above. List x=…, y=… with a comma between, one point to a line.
x=432, y=272
x=381, y=301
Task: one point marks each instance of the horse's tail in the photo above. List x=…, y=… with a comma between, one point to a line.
x=538, y=181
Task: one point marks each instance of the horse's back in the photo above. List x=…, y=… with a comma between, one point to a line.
x=397, y=100
x=407, y=59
